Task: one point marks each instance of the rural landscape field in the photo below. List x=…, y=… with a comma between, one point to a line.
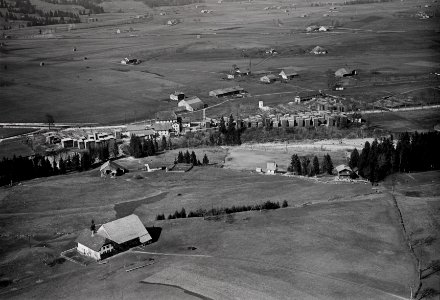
x=219, y=149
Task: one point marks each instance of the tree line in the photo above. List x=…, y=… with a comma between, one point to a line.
x=412, y=153
x=310, y=167
x=191, y=159
x=221, y=211
x=91, y=6
x=267, y=134
x=20, y=168
x=156, y=3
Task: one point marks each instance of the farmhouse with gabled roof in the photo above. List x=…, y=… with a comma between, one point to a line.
x=191, y=104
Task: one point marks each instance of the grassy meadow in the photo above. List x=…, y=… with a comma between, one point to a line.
x=349, y=242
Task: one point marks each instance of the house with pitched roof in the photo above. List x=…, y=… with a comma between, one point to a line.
x=110, y=168
x=344, y=171
x=112, y=237
x=93, y=245
x=192, y=103
x=166, y=117
x=271, y=168
x=269, y=78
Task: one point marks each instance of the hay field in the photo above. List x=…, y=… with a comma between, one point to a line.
x=419, y=120
x=100, y=90
x=346, y=239
x=349, y=249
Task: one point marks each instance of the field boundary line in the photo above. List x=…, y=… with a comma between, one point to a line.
x=173, y=254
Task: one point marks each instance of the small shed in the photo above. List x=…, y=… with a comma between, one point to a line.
x=288, y=74
x=272, y=168
x=111, y=168
x=344, y=171
x=269, y=78
x=318, y=50
x=343, y=72
x=177, y=96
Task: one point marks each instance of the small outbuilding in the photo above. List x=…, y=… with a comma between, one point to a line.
x=343, y=72
x=272, y=168
x=110, y=168
x=318, y=50
x=269, y=78
x=177, y=96
x=288, y=74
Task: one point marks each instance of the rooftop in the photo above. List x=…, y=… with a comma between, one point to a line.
x=226, y=90
x=94, y=242
x=165, y=115
x=124, y=229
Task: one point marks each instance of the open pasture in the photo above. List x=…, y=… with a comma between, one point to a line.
x=418, y=120
x=100, y=90
x=350, y=247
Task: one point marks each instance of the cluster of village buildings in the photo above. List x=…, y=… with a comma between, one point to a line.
x=322, y=110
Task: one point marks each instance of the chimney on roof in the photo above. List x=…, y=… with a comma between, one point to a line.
x=93, y=228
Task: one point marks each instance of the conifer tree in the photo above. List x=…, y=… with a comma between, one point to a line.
x=164, y=143
x=193, y=158
x=205, y=160
x=187, y=157
x=315, y=165
x=180, y=158
x=354, y=159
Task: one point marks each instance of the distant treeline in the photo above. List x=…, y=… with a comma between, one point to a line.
x=24, y=168
x=413, y=153
x=156, y=3
x=90, y=5
x=264, y=135
x=221, y=210
x=354, y=2
x=24, y=10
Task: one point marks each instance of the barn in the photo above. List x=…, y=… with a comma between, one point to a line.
x=227, y=92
